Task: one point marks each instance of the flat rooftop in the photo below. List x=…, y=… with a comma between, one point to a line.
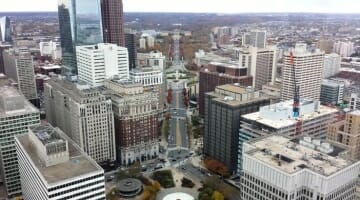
x=15, y=103
x=289, y=156
x=46, y=134
x=79, y=163
x=355, y=112
x=283, y=111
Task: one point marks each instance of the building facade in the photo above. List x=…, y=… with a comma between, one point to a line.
x=223, y=109
x=332, y=92
x=136, y=121
x=278, y=119
x=130, y=44
x=85, y=115
x=52, y=166
x=154, y=58
x=308, y=73
x=16, y=115
x=51, y=48
x=216, y=74
x=80, y=23
x=276, y=167
x=261, y=64
x=354, y=101
x=347, y=132
x=113, y=22
x=344, y=49
x=5, y=30
x=102, y=61
x=332, y=65
x=19, y=66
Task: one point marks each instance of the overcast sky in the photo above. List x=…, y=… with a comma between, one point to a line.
x=219, y=6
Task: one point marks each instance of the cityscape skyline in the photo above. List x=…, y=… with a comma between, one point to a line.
x=188, y=6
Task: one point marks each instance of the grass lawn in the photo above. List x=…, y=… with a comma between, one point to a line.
x=165, y=178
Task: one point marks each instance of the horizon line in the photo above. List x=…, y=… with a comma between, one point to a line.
x=218, y=13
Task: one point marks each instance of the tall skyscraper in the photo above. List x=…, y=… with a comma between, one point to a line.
x=16, y=115
x=19, y=66
x=5, y=29
x=113, y=22
x=102, y=61
x=308, y=73
x=130, y=44
x=344, y=49
x=53, y=167
x=85, y=115
x=277, y=167
x=136, y=118
x=223, y=108
x=80, y=23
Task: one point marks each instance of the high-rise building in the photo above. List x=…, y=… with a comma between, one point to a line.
x=80, y=23
x=344, y=49
x=136, y=118
x=150, y=41
x=260, y=62
x=85, y=115
x=216, y=74
x=142, y=43
x=101, y=61
x=130, y=44
x=277, y=167
x=354, y=101
x=19, y=66
x=332, y=92
x=51, y=48
x=278, y=119
x=332, y=65
x=16, y=115
x=53, y=167
x=308, y=73
x=223, y=108
x=347, y=132
x=5, y=29
x=113, y=22
x=258, y=38
x=2, y=49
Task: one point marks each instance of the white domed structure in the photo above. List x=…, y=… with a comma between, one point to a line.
x=178, y=196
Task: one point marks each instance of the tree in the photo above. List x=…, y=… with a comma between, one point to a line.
x=156, y=186
x=217, y=196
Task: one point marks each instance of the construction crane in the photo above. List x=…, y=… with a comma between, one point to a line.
x=296, y=103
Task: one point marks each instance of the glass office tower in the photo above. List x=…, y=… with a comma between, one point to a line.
x=5, y=29
x=80, y=24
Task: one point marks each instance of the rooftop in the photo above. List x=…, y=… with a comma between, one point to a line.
x=79, y=163
x=46, y=134
x=13, y=103
x=355, y=112
x=294, y=155
x=281, y=115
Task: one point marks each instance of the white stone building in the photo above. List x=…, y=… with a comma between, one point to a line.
x=102, y=61
x=16, y=115
x=53, y=167
x=276, y=167
x=332, y=65
x=84, y=114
